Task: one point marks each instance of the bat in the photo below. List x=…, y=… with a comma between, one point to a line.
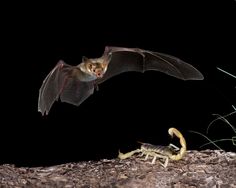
x=74, y=84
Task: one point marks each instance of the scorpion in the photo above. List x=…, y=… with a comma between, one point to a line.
x=171, y=151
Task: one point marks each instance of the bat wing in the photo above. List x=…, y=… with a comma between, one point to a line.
x=171, y=65
x=134, y=59
x=62, y=82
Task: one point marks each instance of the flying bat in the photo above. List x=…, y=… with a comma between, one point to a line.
x=74, y=84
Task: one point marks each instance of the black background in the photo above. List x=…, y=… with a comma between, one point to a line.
x=127, y=108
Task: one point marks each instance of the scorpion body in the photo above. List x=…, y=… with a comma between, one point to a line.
x=163, y=152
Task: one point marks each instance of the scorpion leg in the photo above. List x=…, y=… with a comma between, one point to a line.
x=166, y=158
x=146, y=156
x=154, y=159
x=166, y=162
x=141, y=154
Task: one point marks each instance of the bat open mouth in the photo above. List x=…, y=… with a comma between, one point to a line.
x=99, y=75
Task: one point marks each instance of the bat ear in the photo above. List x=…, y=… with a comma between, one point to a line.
x=85, y=59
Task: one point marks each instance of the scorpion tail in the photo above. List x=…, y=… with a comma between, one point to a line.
x=172, y=132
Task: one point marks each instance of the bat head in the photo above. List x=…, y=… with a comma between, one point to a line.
x=95, y=67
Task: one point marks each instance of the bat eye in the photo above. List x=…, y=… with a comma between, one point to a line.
x=90, y=66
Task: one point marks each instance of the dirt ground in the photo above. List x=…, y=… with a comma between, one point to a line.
x=208, y=168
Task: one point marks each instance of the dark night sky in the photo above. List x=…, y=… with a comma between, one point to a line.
x=132, y=106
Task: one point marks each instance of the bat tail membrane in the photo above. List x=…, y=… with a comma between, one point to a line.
x=172, y=66
x=75, y=91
